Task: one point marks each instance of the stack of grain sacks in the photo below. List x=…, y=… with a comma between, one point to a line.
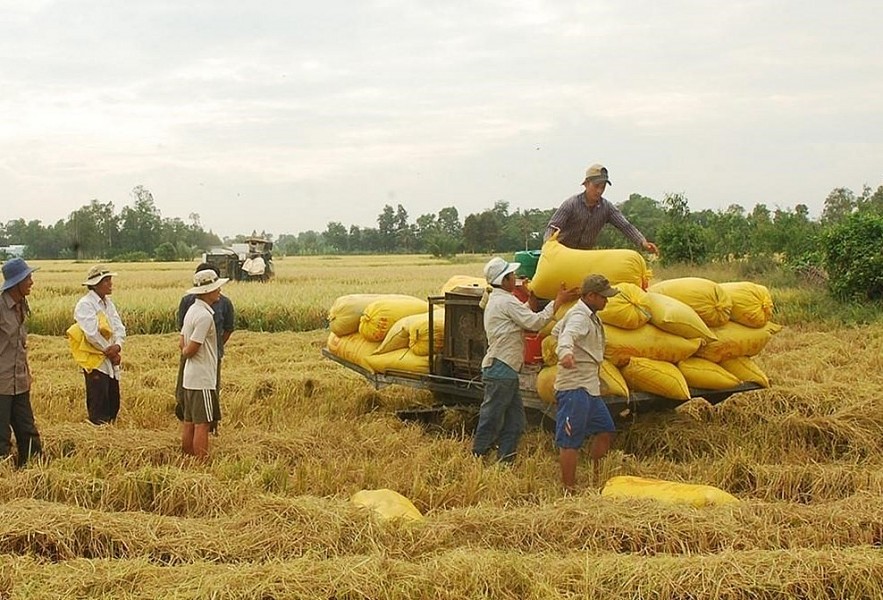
x=665, y=338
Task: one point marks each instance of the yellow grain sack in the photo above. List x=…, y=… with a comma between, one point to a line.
x=387, y=504
x=752, y=303
x=612, y=381
x=463, y=281
x=550, y=350
x=646, y=341
x=559, y=263
x=381, y=314
x=546, y=383
x=704, y=374
x=344, y=314
x=398, y=360
x=333, y=343
x=737, y=340
x=746, y=369
x=673, y=316
x=87, y=356
x=397, y=338
x=626, y=309
x=655, y=377
x=672, y=492
x=706, y=297
x=353, y=348
x=418, y=333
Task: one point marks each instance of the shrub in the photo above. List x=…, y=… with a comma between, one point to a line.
x=854, y=257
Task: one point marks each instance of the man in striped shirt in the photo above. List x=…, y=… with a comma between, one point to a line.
x=580, y=218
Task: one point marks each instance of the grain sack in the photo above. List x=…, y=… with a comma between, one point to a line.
x=418, y=333
x=559, y=314
x=655, y=377
x=559, y=263
x=673, y=316
x=463, y=281
x=752, y=303
x=353, y=348
x=381, y=314
x=550, y=350
x=646, y=341
x=612, y=381
x=546, y=384
x=398, y=360
x=706, y=297
x=672, y=492
x=387, y=504
x=626, y=309
x=704, y=374
x=398, y=337
x=737, y=340
x=746, y=369
x=344, y=314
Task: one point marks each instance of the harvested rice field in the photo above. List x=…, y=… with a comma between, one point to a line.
x=117, y=511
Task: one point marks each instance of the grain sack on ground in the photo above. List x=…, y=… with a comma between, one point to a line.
x=381, y=314
x=706, y=297
x=646, y=341
x=559, y=263
x=752, y=303
x=655, y=377
x=388, y=504
x=672, y=492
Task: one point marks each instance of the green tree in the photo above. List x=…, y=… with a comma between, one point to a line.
x=141, y=224
x=854, y=257
x=336, y=236
x=838, y=205
x=683, y=239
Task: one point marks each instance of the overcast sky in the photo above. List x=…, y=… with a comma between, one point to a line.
x=285, y=115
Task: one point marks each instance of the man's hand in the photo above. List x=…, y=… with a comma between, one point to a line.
x=567, y=362
x=566, y=295
x=112, y=351
x=651, y=247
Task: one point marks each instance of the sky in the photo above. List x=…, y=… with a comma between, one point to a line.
x=283, y=116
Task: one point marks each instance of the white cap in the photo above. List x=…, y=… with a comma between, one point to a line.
x=497, y=268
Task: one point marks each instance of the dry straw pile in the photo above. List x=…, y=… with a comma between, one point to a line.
x=117, y=512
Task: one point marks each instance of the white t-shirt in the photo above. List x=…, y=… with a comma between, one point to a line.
x=201, y=369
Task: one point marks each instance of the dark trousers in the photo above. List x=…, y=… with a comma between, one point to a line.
x=16, y=413
x=102, y=397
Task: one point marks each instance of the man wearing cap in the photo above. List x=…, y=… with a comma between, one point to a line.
x=225, y=320
x=501, y=416
x=581, y=410
x=199, y=347
x=15, y=374
x=103, y=328
x=580, y=218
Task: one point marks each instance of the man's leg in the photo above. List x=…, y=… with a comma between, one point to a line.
x=568, y=457
x=113, y=398
x=27, y=438
x=187, y=437
x=513, y=422
x=600, y=445
x=5, y=418
x=490, y=417
x=200, y=439
x=97, y=392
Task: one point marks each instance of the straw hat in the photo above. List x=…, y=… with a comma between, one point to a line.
x=96, y=274
x=206, y=281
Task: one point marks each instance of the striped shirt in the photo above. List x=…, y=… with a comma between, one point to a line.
x=579, y=226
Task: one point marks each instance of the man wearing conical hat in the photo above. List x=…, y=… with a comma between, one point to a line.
x=103, y=328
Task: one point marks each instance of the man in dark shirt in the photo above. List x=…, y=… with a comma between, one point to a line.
x=580, y=218
x=225, y=321
x=15, y=374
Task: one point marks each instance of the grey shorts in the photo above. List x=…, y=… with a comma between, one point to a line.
x=200, y=406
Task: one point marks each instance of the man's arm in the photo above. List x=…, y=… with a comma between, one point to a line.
x=618, y=220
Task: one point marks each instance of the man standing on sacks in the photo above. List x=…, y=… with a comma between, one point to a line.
x=501, y=417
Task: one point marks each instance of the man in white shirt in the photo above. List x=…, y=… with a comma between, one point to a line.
x=501, y=416
x=581, y=410
x=199, y=347
x=103, y=328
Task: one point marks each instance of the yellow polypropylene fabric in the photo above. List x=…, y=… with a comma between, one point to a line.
x=463, y=281
x=388, y=504
x=626, y=309
x=706, y=297
x=737, y=340
x=381, y=314
x=352, y=348
x=559, y=264
x=344, y=314
x=746, y=369
x=704, y=374
x=398, y=360
x=646, y=341
x=672, y=492
x=398, y=337
x=546, y=384
x=550, y=350
x=673, y=316
x=559, y=314
x=87, y=356
x=655, y=377
x=418, y=333
x=612, y=381
x=752, y=303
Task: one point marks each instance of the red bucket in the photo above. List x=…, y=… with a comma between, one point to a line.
x=533, y=349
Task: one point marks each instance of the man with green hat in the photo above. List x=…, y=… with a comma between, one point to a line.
x=15, y=374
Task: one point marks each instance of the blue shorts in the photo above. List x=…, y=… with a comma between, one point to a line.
x=580, y=415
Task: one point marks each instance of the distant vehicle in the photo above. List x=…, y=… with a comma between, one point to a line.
x=248, y=261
